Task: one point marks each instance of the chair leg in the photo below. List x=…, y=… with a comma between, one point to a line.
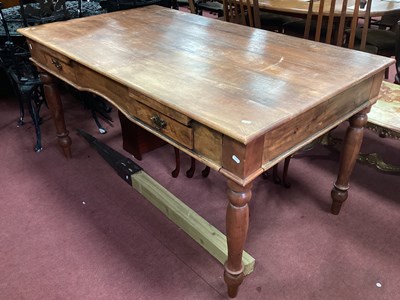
x=205, y=172
x=21, y=102
x=175, y=172
x=21, y=112
x=102, y=130
x=285, y=183
x=190, y=172
x=192, y=169
x=96, y=106
x=275, y=176
x=29, y=97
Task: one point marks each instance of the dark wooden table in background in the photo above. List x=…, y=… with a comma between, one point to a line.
x=300, y=7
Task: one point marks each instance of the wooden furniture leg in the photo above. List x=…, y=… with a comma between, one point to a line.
x=205, y=172
x=237, y=223
x=177, y=169
x=275, y=177
x=192, y=169
x=56, y=108
x=348, y=157
x=285, y=182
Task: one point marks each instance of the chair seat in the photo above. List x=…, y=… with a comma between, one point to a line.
x=212, y=6
x=297, y=27
x=271, y=21
x=368, y=48
x=384, y=40
x=274, y=22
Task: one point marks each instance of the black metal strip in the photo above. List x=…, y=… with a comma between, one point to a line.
x=123, y=165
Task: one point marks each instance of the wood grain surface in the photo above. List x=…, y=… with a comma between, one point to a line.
x=299, y=7
x=238, y=81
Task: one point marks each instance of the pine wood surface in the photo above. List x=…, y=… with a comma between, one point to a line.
x=259, y=79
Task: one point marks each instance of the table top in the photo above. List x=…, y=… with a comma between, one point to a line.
x=239, y=99
x=300, y=7
x=237, y=80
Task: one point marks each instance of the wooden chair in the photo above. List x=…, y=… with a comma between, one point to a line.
x=247, y=12
x=342, y=35
x=382, y=35
x=353, y=32
x=244, y=12
x=327, y=26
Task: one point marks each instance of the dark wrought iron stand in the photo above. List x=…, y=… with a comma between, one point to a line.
x=14, y=56
x=24, y=79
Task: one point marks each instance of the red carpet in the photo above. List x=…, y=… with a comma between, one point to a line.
x=74, y=230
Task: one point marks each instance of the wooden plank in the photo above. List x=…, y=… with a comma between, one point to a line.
x=209, y=237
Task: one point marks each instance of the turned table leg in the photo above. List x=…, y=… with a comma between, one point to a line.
x=348, y=157
x=237, y=223
x=54, y=102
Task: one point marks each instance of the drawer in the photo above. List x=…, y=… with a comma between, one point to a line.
x=173, y=114
x=52, y=61
x=175, y=130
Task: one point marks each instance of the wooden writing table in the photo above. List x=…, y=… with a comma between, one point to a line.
x=236, y=98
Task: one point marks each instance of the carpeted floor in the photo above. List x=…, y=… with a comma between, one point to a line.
x=72, y=229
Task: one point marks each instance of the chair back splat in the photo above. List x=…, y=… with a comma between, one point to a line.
x=327, y=26
x=244, y=12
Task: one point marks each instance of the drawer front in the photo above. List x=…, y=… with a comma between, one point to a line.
x=178, y=132
x=140, y=97
x=53, y=62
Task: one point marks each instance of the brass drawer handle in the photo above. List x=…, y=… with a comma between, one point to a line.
x=56, y=63
x=158, y=122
